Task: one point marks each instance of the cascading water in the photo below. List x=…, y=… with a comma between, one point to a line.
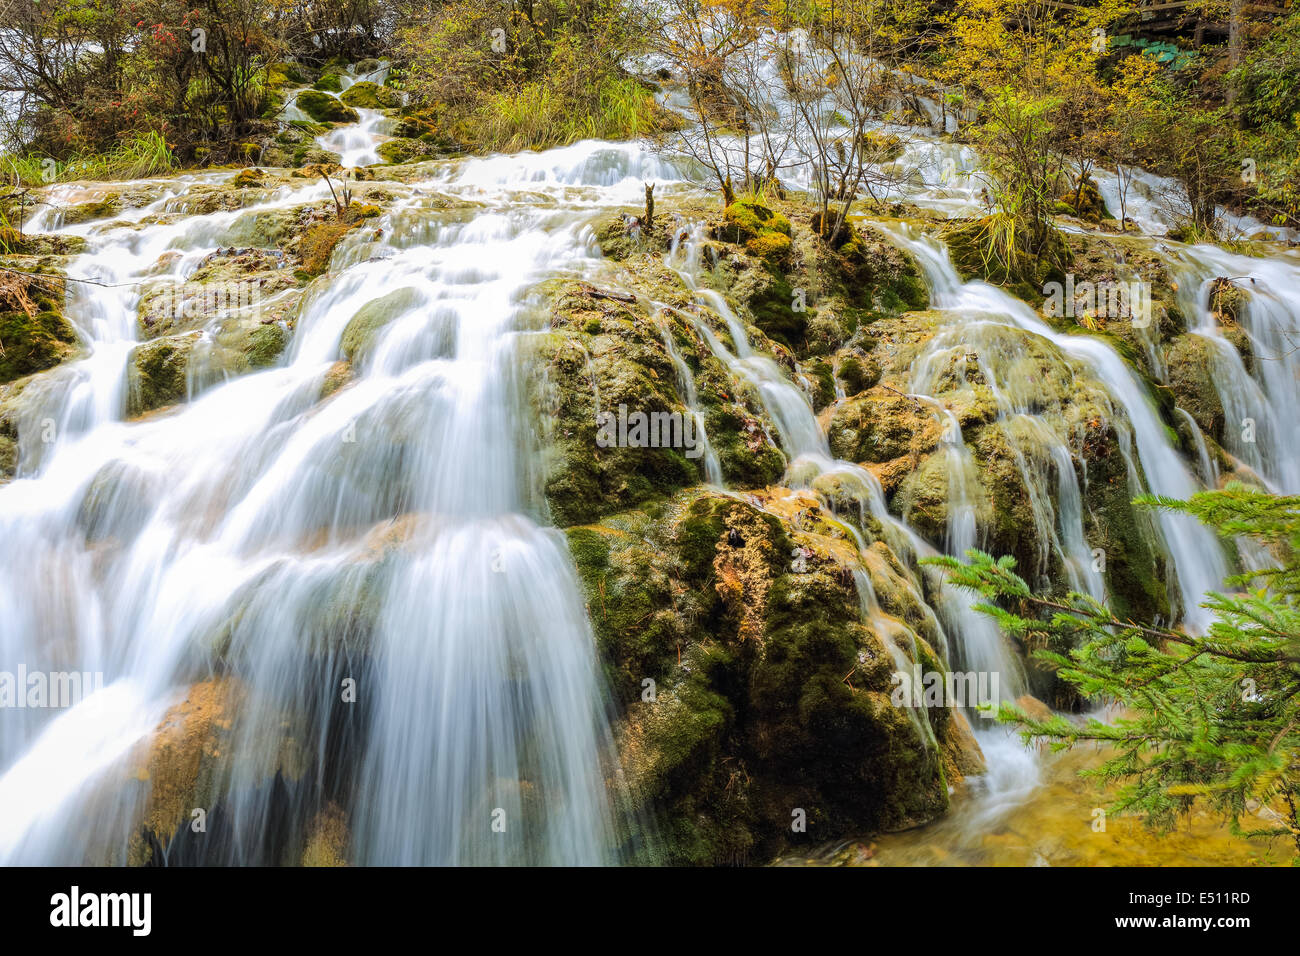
x=390, y=538
x=1196, y=556
x=1258, y=404
x=234, y=534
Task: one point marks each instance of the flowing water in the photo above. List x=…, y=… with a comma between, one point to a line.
x=252, y=519
x=391, y=543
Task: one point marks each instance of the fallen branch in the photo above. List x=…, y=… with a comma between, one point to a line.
x=602, y=294
x=910, y=398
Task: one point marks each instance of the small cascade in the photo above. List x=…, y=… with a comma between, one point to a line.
x=1258, y=403
x=1197, y=559
x=686, y=387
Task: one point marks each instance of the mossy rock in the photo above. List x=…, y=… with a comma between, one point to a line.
x=250, y=178
x=771, y=300
x=859, y=373
x=8, y=458
x=746, y=456
x=36, y=342
x=265, y=228
x=324, y=108
x=318, y=244
x=272, y=104
x=330, y=82
x=311, y=155
x=110, y=205
x=38, y=244
x=403, y=150
x=371, y=96
x=284, y=73
x=771, y=246
x=1083, y=199
x=748, y=651
x=605, y=348
x=1189, y=362
x=822, y=376
x=266, y=344
x=623, y=237
x=363, y=328
x=158, y=374
x=1026, y=278
x=879, y=426
x=881, y=147
x=746, y=219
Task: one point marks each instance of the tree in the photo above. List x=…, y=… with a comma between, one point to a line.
x=1214, y=716
x=842, y=86
x=710, y=43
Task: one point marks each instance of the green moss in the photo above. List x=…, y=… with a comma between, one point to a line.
x=34, y=343
x=859, y=373
x=626, y=363
x=329, y=83
x=8, y=457
x=880, y=426
x=747, y=219
x=318, y=246
x=746, y=457
x=753, y=714
x=362, y=329
x=285, y=72
x=158, y=373
x=265, y=344
x=771, y=301
x=248, y=179
x=1189, y=361
x=324, y=108
x=404, y=150
x=772, y=246
x=110, y=205
x=371, y=96
x=823, y=379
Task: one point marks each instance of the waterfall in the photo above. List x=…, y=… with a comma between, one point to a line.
x=1195, y=554
x=387, y=540
x=372, y=574
x=1258, y=404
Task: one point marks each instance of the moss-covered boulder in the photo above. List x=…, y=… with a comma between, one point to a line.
x=360, y=333
x=371, y=96
x=34, y=335
x=109, y=205
x=329, y=82
x=324, y=108
x=403, y=150
x=753, y=688
x=1189, y=364
x=158, y=373
x=249, y=283
x=605, y=358
x=879, y=426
